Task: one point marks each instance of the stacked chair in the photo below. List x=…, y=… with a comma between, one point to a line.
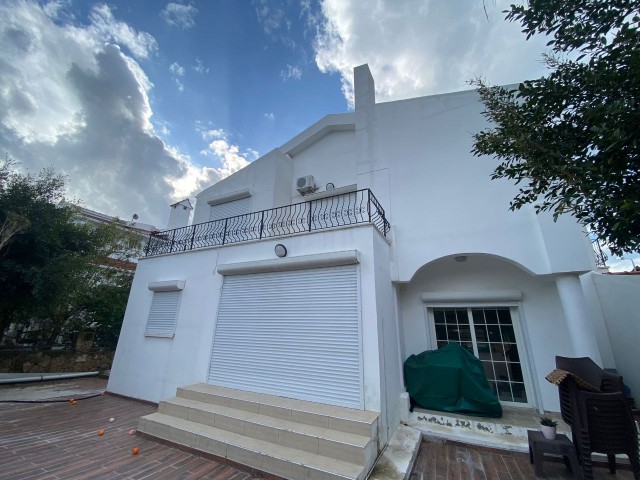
x=592, y=402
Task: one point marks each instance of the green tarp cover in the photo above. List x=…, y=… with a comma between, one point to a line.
x=450, y=379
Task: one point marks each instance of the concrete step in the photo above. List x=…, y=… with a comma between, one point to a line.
x=290, y=438
x=344, y=446
x=348, y=420
x=287, y=462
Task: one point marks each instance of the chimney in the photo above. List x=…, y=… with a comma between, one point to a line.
x=179, y=214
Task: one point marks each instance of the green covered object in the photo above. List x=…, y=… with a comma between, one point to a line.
x=450, y=379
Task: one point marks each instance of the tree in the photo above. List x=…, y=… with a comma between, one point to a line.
x=571, y=139
x=58, y=271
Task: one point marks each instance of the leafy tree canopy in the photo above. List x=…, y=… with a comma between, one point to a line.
x=571, y=139
x=57, y=270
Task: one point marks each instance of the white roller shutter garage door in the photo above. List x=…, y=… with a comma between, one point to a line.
x=294, y=334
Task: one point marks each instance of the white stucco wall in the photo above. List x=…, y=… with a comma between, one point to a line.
x=268, y=178
x=332, y=159
x=152, y=368
x=540, y=314
x=442, y=200
x=617, y=297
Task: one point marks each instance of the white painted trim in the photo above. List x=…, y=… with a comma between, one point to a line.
x=302, y=262
x=469, y=297
x=167, y=286
x=230, y=197
x=337, y=122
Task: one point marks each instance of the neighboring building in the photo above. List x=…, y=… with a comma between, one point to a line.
x=315, y=271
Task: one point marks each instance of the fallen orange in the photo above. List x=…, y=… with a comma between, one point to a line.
x=100, y=432
x=135, y=450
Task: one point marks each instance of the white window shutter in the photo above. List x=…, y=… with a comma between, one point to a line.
x=230, y=209
x=163, y=314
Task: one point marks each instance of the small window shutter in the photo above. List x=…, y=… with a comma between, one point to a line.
x=230, y=209
x=164, y=314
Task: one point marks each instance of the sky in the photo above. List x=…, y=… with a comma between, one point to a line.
x=144, y=103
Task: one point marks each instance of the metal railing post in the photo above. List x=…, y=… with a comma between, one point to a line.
x=173, y=238
x=261, y=223
x=224, y=232
x=369, y=204
x=193, y=234
x=310, y=202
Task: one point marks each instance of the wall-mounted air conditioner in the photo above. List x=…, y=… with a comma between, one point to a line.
x=306, y=185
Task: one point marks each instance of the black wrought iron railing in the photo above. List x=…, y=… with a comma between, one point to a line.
x=351, y=208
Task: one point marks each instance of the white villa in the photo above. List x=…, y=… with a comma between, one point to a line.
x=309, y=276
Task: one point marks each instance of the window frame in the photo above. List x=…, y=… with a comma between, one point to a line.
x=519, y=338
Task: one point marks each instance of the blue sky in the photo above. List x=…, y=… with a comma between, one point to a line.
x=144, y=103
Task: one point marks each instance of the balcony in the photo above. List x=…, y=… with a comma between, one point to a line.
x=341, y=210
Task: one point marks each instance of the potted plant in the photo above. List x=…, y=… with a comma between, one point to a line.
x=548, y=427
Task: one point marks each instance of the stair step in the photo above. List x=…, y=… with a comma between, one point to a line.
x=263, y=455
x=323, y=441
x=348, y=420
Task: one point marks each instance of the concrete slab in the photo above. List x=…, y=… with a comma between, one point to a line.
x=396, y=461
x=52, y=390
x=11, y=378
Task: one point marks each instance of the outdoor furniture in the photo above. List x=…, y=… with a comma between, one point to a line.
x=592, y=402
x=561, y=445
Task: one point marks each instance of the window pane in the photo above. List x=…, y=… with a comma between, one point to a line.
x=481, y=333
x=483, y=351
x=504, y=391
x=519, y=393
x=438, y=316
x=441, y=332
x=450, y=317
x=494, y=333
x=504, y=316
x=516, y=372
x=501, y=371
x=478, y=316
x=491, y=316
x=508, y=335
x=512, y=353
x=465, y=333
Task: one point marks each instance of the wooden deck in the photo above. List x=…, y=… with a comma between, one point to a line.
x=60, y=441
x=449, y=461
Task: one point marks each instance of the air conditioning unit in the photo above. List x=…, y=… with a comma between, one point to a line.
x=306, y=185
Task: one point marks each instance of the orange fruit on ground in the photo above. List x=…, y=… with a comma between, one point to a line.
x=135, y=450
x=100, y=432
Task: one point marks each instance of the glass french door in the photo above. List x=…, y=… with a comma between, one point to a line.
x=489, y=334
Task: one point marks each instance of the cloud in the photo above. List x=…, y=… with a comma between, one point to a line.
x=419, y=47
x=270, y=116
x=106, y=27
x=69, y=100
x=222, y=149
x=179, y=15
x=291, y=72
x=179, y=84
x=271, y=15
x=176, y=69
x=199, y=66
